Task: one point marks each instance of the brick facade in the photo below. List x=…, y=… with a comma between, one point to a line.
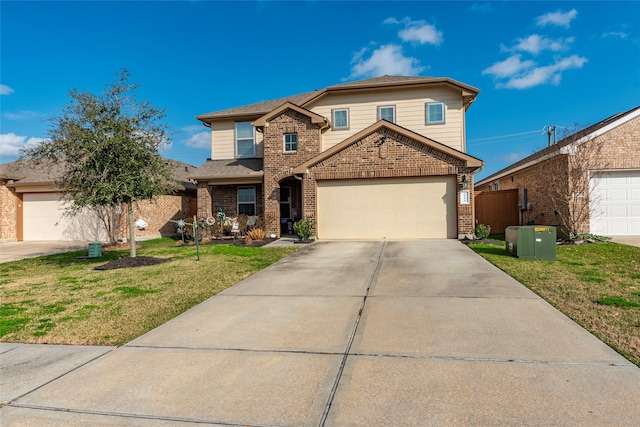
x=158, y=215
x=382, y=154
x=619, y=150
x=8, y=213
x=387, y=154
x=278, y=164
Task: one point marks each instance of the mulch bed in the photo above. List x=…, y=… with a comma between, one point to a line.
x=139, y=261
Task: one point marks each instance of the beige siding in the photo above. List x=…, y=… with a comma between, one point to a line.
x=410, y=113
x=223, y=142
x=391, y=208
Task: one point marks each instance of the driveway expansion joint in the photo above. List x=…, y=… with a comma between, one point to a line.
x=345, y=355
x=492, y=359
x=137, y=416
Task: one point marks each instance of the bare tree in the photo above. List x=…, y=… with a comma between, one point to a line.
x=565, y=177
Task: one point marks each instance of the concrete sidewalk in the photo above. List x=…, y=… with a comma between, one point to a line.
x=358, y=334
x=15, y=251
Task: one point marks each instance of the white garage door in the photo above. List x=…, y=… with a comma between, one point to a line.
x=615, y=207
x=393, y=208
x=43, y=219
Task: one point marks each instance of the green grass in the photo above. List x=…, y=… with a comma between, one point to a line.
x=61, y=299
x=597, y=285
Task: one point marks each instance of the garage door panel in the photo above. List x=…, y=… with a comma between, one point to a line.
x=394, y=208
x=615, y=199
x=44, y=219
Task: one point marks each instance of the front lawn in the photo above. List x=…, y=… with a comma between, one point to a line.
x=61, y=299
x=597, y=285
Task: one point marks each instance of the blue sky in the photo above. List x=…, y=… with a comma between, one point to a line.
x=536, y=63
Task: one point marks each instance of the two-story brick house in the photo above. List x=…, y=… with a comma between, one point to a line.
x=377, y=158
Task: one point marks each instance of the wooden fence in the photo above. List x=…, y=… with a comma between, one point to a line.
x=498, y=209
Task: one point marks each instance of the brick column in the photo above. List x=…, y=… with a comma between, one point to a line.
x=271, y=194
x=205, y=201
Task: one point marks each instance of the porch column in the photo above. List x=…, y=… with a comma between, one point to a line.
x=271, y=206
x=205, y=201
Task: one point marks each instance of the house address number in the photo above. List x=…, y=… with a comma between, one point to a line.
x=465, y=197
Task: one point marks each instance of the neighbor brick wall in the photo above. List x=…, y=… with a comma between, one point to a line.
x=8, y=213
x=619, y=151
x=395, y=156
x=542, y=211
x=158, y=214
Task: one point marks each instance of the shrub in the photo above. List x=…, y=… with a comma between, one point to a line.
x=256, y=234
x=482, y=231
x=304, y=228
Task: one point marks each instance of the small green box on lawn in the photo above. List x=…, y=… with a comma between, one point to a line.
x=95, y=250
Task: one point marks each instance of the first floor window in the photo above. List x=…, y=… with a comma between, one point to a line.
x=247, y=201
x=245, y=146
x=341, y=119
x=388, y=113
x=435, y=113
x=290, y=142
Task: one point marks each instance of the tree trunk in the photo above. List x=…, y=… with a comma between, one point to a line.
x=132, y=231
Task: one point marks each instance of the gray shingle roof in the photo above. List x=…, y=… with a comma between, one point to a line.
x=26, y=172
x=260, y=108
x=559, y=145
x=234, y=168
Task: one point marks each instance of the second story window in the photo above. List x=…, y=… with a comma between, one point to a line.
x=435, y=113
x=290, y=142
x=387, y=112
x=245, y=140
x=340, y=118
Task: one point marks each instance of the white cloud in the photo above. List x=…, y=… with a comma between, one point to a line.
x=481, y=7
x=546, y=74
x=20, y=115
x=535, y=43
x=5, y=90
x=509, y=67
x=10, y=143
x=558, y=18
x=417, y=31
x=618, y=34
x=512, y=157
x=199, y=140
x=387, y=59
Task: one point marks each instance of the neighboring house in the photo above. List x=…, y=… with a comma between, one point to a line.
x=32, y=208
x=604, y=156
x=377, y=158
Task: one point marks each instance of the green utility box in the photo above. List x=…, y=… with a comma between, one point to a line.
x=531, y=242
x=95, y=249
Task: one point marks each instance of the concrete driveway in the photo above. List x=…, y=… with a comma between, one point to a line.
x=349, y=334
x=15, y=251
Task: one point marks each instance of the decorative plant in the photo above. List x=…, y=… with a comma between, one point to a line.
x=304, y=228
x=256, y=234
x=482, y=231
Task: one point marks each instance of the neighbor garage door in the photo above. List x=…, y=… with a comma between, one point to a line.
x=616, y=203
x=43, y=219
x=393, y=208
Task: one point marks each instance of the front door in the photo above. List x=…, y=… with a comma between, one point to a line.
x=285, y=210
x=285, y=202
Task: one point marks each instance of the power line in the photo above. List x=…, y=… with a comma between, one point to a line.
x=494, y=138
